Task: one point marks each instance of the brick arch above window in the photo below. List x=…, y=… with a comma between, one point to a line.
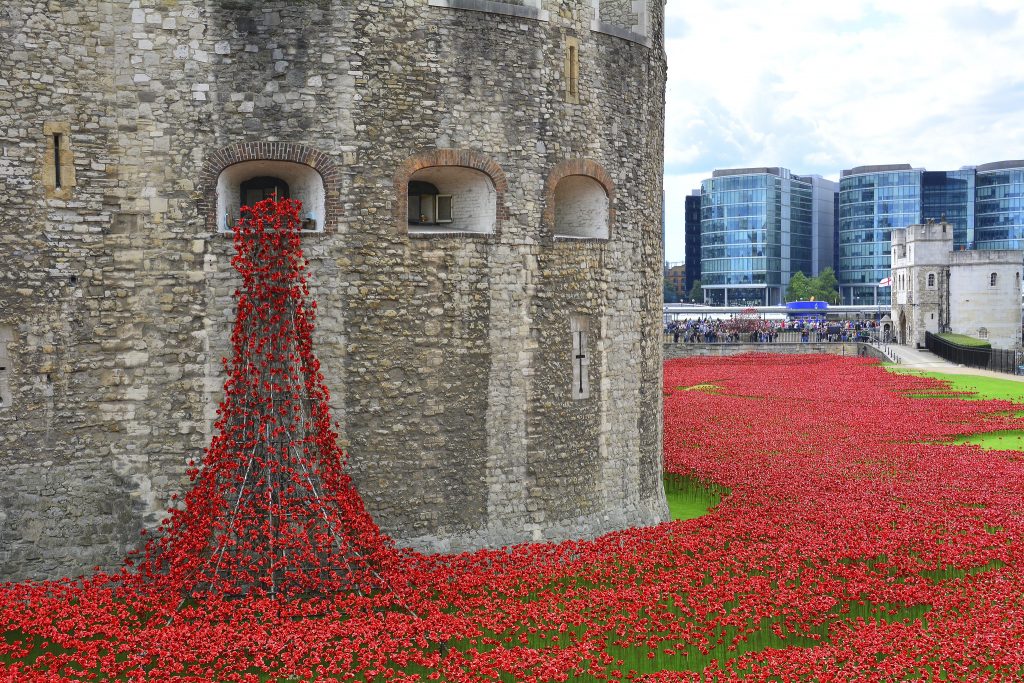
x=576, y=167
x=269, y=151
x=441, y=158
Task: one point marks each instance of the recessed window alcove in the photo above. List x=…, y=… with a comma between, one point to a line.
x=251, y=181
x=578, y=197
x=451, y=199
x=581, y=208
x=449, y=192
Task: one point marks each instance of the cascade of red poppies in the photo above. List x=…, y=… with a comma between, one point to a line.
x=272, y=511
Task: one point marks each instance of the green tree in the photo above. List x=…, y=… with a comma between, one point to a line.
x=697, y=292
x=801, y=287
x=824, y=287
x=827, y=286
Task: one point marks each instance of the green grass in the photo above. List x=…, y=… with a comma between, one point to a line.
x=977, y=388
x=690, y=498
x=964, y=340
x=1010, y=440
x=982, y=387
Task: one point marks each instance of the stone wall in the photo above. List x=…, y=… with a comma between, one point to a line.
x=449, y=356
x=985, y=295
x=833, y=348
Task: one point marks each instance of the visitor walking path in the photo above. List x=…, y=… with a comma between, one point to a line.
x=922, y=359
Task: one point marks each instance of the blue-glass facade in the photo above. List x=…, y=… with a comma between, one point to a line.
x=950, y=194
x=999, y=207
x=985, y=206
x=756, y=229
x=872, y=201
x=692, y=239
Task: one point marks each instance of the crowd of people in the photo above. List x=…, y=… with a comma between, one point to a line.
x=757, y=330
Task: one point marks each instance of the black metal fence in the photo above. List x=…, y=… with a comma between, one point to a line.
x=997, y=360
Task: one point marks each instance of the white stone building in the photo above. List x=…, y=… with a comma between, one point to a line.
x=936, y=289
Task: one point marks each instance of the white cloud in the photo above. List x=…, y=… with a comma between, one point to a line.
x=818, y=87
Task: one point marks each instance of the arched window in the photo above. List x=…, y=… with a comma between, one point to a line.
x=581, y=208
x=249, y=182
x=931, y=280
x=982, y=333
x=451, y=199
x=992, y=280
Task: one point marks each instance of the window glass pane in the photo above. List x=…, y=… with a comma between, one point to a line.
x=444, y=208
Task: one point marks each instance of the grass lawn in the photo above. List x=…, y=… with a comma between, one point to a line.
x=688, y=498
x=981, y=388
x=964, y=340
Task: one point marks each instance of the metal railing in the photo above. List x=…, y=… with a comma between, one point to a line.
x=997, y=360
x=778, y=337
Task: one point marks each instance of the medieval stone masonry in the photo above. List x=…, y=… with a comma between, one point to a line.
x=428, y=140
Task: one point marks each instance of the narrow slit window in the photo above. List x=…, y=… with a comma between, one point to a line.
x=578, y=328
x=574, y=71
x=57, y=172
x=992, y=280
x=6, y=400
x=56, y=160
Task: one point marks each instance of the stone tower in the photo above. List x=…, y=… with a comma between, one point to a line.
x=482, y=187
x=935, y=289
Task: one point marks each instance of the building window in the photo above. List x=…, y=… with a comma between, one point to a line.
x=992, y=280
x=427, y=206
x=451, y=199
x=255, y=190
x=5, y=368
x=931, y=280
x=982, y=333
x=572, y=70
x=581, y=208
x=249, y=182
x=56, y=159
x=58, y=162
x=578, y=328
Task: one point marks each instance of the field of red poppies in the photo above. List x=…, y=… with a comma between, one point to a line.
x=853, y=545
x=852, y=541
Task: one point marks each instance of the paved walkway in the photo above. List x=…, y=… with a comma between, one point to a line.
x=922, y=359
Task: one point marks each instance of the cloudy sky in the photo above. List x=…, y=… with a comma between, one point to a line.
x=817, y=87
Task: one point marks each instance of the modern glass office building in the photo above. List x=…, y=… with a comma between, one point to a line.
x=691, y=239
x=999, y=205
x=872, y=201
x=983, y=204
x=757, y=230
x=950, y=194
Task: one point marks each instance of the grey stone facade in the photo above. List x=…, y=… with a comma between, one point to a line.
x=935, y=289
x=448, y=355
